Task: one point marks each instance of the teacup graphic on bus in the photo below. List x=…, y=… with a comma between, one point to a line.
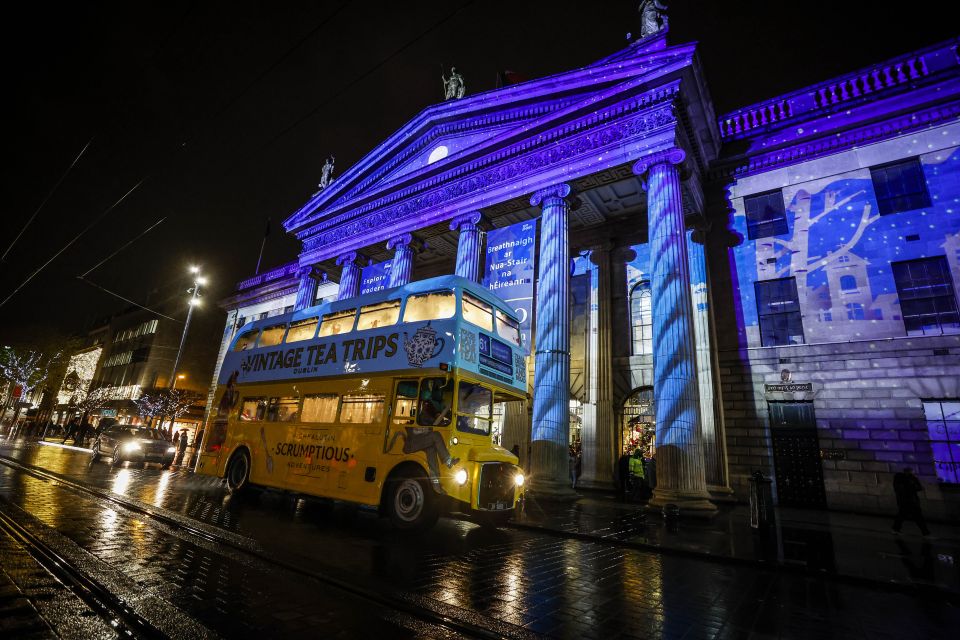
x=424, y=344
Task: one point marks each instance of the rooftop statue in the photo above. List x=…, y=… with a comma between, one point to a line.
x=653, y=17
x=326, y=174
x=453, y=86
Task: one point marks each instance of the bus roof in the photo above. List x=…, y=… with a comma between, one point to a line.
x=451, y=282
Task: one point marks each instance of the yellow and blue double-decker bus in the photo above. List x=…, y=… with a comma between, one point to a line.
x=386, y=399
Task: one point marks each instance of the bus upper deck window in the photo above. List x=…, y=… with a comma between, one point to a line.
x=508, y=328
x=302, y=329
x=246, y=340
x=363, y=408
x=272, y=335
x=477, y=312
x=337, y=322
x=320, y=407
x=381, y=314
x=253, y=409
x=430, y=306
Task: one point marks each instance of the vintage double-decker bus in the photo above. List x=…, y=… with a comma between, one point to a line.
x=386, y=399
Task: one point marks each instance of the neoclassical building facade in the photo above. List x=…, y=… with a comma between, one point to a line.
x=664, y=317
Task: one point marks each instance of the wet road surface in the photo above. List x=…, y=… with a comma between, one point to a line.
x=510, y=582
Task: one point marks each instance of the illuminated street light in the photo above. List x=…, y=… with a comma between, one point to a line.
x=194, y=301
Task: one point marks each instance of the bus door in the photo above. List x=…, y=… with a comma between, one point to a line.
x=402, y=416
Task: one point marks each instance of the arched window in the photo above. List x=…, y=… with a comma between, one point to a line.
x=848, y=283
x=855, y=311
x=641, y=319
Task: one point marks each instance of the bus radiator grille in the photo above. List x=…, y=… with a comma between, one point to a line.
x=496, y=486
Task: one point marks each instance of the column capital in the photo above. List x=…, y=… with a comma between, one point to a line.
x=348, y=259
x=467, y=221
x=558, y=191
x=676, y=155
x=402, y=240
x=313, y=272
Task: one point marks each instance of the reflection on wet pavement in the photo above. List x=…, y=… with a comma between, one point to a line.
x=558, y=587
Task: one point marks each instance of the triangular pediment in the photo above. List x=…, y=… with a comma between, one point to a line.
x=459, y=132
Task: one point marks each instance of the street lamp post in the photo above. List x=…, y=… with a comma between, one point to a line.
x=194, y=301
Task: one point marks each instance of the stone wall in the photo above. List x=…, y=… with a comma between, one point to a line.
x=867, y=398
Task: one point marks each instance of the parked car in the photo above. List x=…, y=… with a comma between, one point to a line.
x=131, y=443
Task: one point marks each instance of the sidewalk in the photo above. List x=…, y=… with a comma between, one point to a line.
x=859, y=547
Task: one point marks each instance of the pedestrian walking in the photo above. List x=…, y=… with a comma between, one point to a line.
x=81, y=437
x=72, y=428
x=623, y=475
x=576, y=466
x=907, y=488
x=181, y=447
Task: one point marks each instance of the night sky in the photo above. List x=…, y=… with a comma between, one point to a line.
x=226, y=111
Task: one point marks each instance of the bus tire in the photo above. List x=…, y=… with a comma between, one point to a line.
x=238, y=472
x=411, y=502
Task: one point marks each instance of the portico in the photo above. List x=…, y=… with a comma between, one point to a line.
x=608, y=158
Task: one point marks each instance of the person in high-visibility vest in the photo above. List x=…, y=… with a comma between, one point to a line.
x=636, y=474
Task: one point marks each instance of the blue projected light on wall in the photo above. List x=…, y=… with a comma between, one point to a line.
x=839, y=249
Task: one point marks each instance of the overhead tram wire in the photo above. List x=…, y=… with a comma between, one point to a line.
x=83, y=276
x=127, y=244
x=69, y=244
x=133, y=302
x=49, y=195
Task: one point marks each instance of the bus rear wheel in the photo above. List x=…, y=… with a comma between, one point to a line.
x=238, y=472
x=412, y=504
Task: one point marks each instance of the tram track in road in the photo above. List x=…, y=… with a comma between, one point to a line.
x=117, y=613
x=462, y=622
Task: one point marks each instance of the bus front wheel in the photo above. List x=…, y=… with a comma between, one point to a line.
x=238, y=472
x=412, y=503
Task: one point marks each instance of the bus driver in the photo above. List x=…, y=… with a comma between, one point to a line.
x=432, y=410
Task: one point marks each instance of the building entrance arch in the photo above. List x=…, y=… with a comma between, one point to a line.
x=638, y=423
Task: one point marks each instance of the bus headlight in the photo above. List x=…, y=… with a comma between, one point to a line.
x=519, y=479
x=130, y=447
x=460, y=476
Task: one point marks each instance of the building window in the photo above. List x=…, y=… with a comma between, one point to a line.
x=641, y=319
x=943, y=426
x=766, y=215
x=855, y=311
x=779, y=310
x=848, y=283
x=927, y=300
x=900, y=186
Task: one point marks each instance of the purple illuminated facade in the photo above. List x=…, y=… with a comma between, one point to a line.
x=653, y=246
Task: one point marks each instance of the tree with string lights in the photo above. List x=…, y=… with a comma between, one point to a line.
x=24, y=370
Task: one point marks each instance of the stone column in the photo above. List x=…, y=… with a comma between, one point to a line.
x=310, y=277
x=710, y=431
x=402, y=269
x=350, y=276
x=680, y=462
x=599, y=443
x=468, y=245
x=551, y=387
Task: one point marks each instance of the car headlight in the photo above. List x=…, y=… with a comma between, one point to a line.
x=519, y=479
x=460, y=476
x=130, y=447
x=171, y=450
